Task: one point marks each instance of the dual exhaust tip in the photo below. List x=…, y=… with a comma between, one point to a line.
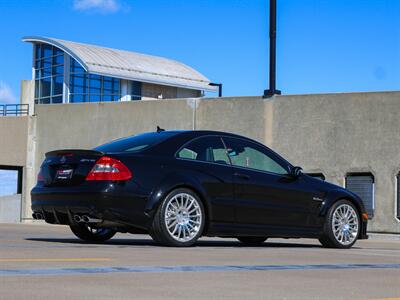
x=38, y=216
x=86, y=219
x=77, y=218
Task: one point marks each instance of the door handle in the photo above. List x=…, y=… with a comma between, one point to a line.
x=241, y=176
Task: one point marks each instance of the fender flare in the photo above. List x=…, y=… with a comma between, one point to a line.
x=172, y=182
x=338, y=194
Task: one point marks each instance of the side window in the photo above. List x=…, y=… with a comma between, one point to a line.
x=249, y=155
x=208, y=148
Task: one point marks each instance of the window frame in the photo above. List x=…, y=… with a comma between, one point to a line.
x=203, y=161
x=268, y=152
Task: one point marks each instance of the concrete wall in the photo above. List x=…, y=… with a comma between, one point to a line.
x=28, y=94
x=334, y=134
x=13, y=140
x=10, y=209
x=343, y=133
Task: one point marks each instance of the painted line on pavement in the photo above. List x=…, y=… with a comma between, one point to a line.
x=54, y=259
x=174, y=269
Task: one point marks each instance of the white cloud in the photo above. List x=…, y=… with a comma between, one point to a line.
x=102, y=6
x=6, y=94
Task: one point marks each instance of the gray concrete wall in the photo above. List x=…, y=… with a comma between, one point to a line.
x=338, y=134
x=28, y=94
x=333, y=134
x=10, y=209
x=13, y=140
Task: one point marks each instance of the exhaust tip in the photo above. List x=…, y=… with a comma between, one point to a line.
x=77, y=219
x=37, y=216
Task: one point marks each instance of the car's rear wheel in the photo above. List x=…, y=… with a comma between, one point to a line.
x=92, y=234
x=179, y=220
x=342, y=226
x=252, y=240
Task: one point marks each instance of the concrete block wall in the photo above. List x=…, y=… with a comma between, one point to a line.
x=333, y=134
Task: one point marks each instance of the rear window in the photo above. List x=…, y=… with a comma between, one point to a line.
x=135, y=143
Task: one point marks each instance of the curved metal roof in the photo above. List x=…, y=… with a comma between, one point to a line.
x=129, y=65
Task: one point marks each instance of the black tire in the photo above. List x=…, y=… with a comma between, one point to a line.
x=252, y=240
x=328, y=238
x=159, y=231
x=85, y=233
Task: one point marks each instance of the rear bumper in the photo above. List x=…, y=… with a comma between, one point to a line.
x=102, y=200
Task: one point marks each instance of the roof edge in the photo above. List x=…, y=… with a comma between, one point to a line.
x=39, y=39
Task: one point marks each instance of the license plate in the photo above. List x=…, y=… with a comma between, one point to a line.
x=64, y=174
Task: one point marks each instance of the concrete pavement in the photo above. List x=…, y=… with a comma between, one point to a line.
x=41, y=261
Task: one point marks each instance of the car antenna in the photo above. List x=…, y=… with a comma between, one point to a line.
x=159, y=129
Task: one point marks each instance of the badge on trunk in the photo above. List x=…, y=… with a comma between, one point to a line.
x=64, y=174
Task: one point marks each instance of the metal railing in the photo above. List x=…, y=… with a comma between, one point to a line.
x=14, y=110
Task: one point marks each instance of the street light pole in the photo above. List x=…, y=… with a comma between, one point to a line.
x=272, y=52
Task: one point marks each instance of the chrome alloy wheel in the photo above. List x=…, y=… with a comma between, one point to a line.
x=345, y=224
x=183, y=217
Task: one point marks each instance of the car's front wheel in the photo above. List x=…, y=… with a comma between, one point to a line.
x=179, y=220
x=342, y=226
x=92, y=234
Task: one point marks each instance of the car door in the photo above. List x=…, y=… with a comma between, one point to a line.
x=265, y=192
x=205, y=159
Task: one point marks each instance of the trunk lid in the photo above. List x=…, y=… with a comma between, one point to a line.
x=68, y=167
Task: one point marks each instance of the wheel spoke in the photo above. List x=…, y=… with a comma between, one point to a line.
x=345, y=224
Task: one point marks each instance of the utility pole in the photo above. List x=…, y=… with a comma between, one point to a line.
x=272, y=52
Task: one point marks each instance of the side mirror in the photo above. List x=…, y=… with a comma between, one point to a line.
x=296, y=172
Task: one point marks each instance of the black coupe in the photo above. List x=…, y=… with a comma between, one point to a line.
x=180, y=185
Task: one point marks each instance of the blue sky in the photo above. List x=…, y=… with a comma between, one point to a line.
x=323, y=46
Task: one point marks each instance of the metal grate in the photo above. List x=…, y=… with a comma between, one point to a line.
x=363, y=186
x=14, y=110
x=398, y=197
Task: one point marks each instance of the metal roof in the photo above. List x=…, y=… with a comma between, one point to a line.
x=129, y=65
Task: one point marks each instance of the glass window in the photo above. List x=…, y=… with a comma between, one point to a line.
x=250, y=155
x=58, y=85
x=37, y=51
x=49, y=68
x=58, y=60
x=362, y=184
x=58, y=70
x=136, y=93
x=37, y=89
x=57, y=99
x=76, y=67
x=77, y=98
x=208, y=148
x=45, y=85
x=57, y=51
x=47, y=50
x=136, y=143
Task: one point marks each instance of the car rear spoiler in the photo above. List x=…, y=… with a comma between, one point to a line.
x=71, y=152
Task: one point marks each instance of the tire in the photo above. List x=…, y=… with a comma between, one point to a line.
x=183, y=211
x=88, y=234
x=342, y=226
x=252, y=240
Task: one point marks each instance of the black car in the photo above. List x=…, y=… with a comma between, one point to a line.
x=180, y=185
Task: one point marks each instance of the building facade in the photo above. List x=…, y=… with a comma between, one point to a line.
x=70, y=72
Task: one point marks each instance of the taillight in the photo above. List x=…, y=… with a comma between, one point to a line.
x=40, y=177
x=107, y=168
